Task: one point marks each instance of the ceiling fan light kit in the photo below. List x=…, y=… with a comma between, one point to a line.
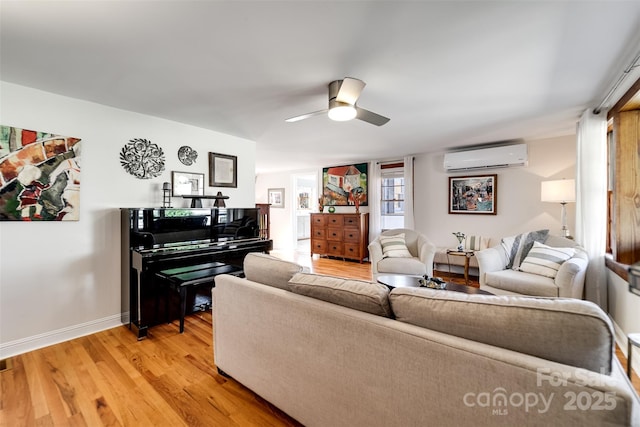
x=341, y=112
x=343, y=95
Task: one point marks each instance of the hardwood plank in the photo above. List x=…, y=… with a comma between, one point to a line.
x=50, y=375
x=36, y=392
x=15, y=395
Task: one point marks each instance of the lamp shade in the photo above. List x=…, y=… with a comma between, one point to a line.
x=559, y=191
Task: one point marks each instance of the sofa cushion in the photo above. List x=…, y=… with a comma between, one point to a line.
x=517, y=247
x=475, y=243
x=569, y=331
x=402, y=266
x=269, y=270
x=522, y=283
x=545, y=260
x=394, y=246
x=357, y=294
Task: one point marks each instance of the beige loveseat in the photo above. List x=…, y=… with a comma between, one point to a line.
x=498, y=277
x=415, y=357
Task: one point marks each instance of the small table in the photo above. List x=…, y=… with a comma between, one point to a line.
x=632, y=340
x=467, y=255
x=403, y=281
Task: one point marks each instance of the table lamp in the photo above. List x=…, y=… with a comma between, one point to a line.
x=561, y=191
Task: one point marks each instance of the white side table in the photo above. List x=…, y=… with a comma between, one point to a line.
x=633, y=340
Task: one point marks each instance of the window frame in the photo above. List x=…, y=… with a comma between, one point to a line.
x=386, y=172
x=623, y=248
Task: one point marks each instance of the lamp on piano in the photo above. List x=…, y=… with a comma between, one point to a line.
x=166, y=195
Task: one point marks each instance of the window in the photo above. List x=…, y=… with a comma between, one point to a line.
x=624, y=159
x=392, y=196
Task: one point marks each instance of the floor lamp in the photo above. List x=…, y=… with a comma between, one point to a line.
x=561, y=191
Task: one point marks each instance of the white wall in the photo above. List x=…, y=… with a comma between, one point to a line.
x=519, y=207
x=61, y=280
x=624, y=309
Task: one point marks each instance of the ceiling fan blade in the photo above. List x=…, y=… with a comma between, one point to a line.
x=371, y=117
x=305, y=116
x=350, y=90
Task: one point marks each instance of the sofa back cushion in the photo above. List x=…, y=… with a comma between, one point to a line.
x=269, y=270
x=569, y=331
x=363, y=296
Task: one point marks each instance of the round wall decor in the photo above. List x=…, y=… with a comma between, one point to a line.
x=142, y=159
x=187, y=155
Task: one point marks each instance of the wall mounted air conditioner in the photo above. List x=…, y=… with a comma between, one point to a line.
x=486, y=158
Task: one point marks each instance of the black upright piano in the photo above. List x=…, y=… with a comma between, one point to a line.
x=155, y=240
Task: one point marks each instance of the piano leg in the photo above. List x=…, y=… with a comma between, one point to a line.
x=140, y=331
x=183, y=306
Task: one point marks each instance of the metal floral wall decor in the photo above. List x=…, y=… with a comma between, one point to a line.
x=39, y=176
x=142, y=158
x=187, y=155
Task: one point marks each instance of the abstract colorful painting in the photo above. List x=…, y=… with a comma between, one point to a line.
x=473, y=194
x=343, y=185
x=39, y=176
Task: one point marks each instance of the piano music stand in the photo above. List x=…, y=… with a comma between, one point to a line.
x=196, y=201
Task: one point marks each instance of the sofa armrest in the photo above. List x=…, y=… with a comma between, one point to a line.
x=375, y=255
x=570, y=277
x=491, y=259
x=426, y=253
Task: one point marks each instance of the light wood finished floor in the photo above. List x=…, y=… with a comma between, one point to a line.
x=111, y=379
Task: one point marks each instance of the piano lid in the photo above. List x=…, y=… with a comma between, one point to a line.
x=150, y=227
x=221, y=243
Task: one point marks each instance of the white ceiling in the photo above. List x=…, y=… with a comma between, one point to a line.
x=446, y=73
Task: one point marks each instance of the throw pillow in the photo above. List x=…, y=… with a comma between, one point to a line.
x=475, y=243
x=394, y=246
x=517, y=247
x=545, y=260
x=363, y=296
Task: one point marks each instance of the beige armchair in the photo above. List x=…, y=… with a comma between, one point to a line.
x=496, y=278
x=420, y=249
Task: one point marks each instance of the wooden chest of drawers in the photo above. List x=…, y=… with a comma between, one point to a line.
x=344, y=235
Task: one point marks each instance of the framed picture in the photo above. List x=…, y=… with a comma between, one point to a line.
x=341, y=185
x=187, y=184
x=276, y=197
x=476, y=194
x=223, y=171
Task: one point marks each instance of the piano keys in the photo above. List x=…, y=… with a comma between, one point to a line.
x=159, y=240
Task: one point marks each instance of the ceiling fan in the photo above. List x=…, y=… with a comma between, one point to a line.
x=343, y=95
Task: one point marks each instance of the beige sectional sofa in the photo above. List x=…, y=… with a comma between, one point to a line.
x=335, y=352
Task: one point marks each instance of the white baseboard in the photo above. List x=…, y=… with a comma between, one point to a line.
x=621, y=340
x=23, y=345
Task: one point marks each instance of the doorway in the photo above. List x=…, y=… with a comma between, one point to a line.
x=305, y=201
